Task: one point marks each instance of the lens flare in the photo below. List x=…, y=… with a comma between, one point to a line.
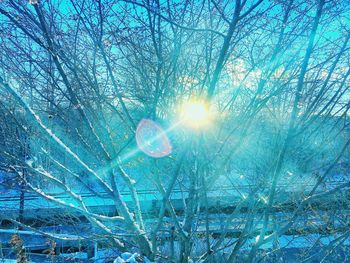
x=152, y=139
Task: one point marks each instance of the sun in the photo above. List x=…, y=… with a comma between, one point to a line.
x=195, y=113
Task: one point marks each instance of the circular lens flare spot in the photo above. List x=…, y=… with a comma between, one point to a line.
x=152, y=139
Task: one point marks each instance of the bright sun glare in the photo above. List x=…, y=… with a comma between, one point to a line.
x=195, y=113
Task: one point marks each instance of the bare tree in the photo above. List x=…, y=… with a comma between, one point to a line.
x=83, y=74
